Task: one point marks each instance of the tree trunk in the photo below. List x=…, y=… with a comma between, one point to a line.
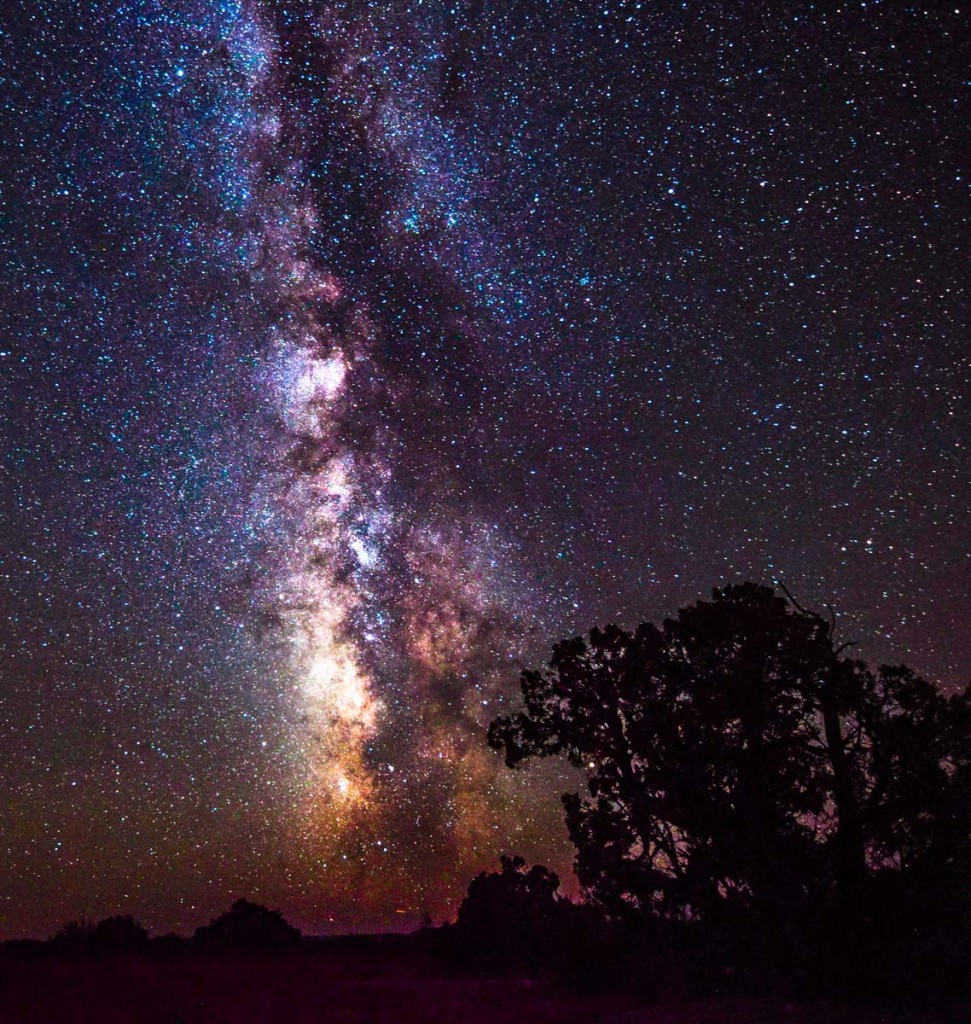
x=851, y=870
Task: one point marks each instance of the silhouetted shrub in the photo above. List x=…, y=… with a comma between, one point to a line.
x=248, y=926
x=121, y=933
x=513, y=922
x=74, y=934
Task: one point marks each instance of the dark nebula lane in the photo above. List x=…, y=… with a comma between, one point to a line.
x=352, y=353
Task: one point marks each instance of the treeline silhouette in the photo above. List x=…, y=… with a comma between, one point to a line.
x=245, y=927
x=762, y=813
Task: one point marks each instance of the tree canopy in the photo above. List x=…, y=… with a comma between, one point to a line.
x=740, y=762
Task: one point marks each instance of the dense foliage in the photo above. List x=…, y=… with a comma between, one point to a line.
x=744, y=771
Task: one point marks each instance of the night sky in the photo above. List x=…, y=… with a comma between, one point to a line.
x=353, y=353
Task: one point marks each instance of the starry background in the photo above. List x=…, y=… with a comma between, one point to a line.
x=352, y=353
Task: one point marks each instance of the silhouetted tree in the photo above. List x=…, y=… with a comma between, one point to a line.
x=514, y=921
x=741, y=767
x=248, y=926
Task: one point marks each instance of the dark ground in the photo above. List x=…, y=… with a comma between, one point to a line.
x=354, y=983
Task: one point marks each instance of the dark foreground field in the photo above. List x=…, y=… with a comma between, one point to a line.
x=348, y=986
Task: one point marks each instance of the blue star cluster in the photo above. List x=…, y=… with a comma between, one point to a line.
x=351, y=353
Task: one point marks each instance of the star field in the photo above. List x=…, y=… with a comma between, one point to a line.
x=352, y=353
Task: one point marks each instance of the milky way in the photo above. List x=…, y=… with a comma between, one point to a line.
x=398, y=611
x=353, y=353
